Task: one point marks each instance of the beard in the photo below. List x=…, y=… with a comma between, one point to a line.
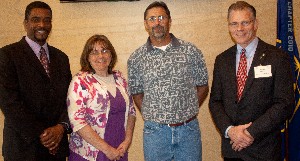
x=158, y=32
x=41, y=37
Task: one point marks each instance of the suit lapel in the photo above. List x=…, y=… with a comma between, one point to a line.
x=54, y=62
x=231, y=74
x=32, y=58
x=257, y=60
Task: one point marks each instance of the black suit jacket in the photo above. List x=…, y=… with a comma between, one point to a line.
x=267, y=102
x=31, y=101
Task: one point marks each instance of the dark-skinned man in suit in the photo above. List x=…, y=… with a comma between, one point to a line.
x=33, y=94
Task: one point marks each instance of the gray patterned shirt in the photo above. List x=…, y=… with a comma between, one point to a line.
x=168, y=80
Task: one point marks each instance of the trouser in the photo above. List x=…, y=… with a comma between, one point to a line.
x=178, y=143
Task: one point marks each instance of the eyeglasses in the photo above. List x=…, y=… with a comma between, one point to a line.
x=160, y=18
x=104, y=52
x=243, y=23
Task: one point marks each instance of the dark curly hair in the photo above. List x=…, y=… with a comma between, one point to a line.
x=36, y=4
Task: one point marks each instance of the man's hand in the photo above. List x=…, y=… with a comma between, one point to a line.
x=240, y=137
x=51, y=138
x=53, y=152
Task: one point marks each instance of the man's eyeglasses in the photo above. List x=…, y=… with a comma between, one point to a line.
x=243, y=23
x=104, y=52
x=153, y=19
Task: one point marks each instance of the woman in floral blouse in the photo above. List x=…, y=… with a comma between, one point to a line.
x=100, y=109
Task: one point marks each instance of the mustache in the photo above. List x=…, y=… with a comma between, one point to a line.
x=42, y=29
x=157, y=27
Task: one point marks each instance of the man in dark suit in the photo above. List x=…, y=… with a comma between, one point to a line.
x=252, y=91
x=33, y=94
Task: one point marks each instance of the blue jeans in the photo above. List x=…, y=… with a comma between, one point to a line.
x=164, y=143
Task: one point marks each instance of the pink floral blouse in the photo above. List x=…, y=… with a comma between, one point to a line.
x=88, y=104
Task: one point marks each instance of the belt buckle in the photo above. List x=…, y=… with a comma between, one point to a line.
x=178, y=124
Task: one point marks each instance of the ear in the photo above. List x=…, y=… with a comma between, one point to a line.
x=145, y=25
x=256, y=24
x=25, y=23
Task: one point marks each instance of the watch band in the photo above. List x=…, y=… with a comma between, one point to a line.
x=66, y=126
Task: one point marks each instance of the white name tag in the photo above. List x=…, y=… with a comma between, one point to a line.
x=262, y=71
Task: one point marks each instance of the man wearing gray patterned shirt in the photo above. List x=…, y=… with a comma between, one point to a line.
x=168, y=80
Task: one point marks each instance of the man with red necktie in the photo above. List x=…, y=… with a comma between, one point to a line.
x=252, y=91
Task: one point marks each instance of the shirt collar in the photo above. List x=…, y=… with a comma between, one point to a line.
x=250, y=49
x=174, y=43
x=35, y=46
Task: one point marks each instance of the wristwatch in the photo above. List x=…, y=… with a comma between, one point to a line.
x=66, y=127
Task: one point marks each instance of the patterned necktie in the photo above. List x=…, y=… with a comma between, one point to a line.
x=241, y=74
x=44, y=60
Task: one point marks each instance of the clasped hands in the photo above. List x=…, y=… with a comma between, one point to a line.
x=117, y=153
x=51, y=138
x=239, y=136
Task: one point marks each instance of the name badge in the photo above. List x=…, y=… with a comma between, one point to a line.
x=262, y=71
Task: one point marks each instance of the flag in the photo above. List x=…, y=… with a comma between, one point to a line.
x=286, y=41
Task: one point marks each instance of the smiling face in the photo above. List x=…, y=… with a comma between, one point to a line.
x=100, y=59
x=242, y=26
x=38, y=25
x=157, y=23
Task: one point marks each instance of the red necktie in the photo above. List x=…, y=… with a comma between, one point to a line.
x=44, y=60
x=241, y=74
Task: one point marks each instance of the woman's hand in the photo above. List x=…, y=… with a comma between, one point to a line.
x=123, y=147
x=113, y=154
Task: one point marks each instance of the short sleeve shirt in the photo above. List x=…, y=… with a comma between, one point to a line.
x=168, y=80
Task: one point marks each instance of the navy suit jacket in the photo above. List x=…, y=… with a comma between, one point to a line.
x=266, y=102
x=31, y=101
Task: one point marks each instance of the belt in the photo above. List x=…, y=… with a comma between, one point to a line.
x=183, y=123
